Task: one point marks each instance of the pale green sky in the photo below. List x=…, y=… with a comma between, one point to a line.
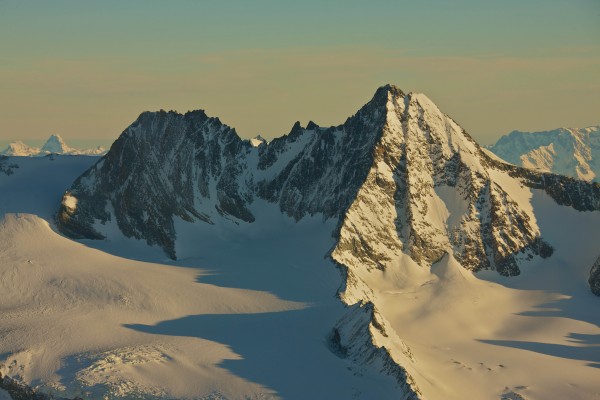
x=86, y=69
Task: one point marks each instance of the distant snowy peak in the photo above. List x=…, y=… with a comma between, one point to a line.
x=54, y=145
x=568, y=151
x=257, y=141
x=20, y=149
x=95, y=151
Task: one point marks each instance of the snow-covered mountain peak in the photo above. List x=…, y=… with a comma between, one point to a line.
x=435, y=192
x=55, y=144
x=257, y=141
x=388, y=90
x=568, y=151
x=19, y=149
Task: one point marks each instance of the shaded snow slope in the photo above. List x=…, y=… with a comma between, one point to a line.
x=567, y=151
x=36, y=185
x=66, y=308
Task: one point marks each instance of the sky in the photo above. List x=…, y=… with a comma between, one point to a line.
x=87, y=69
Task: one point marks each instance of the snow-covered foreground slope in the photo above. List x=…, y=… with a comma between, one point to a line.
x=245, y=313
x=568, y=151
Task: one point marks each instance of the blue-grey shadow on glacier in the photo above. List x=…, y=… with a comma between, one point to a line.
x=285, y=351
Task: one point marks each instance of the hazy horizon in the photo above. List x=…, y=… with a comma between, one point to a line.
x=87, y=70
x=86, y=143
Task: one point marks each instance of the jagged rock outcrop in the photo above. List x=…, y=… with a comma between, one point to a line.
x=326, y=166
x=362, y=335
x=164, y=165
x=594, y=279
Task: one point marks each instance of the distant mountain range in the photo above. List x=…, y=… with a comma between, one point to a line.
x=54, y=145
x=567, y=151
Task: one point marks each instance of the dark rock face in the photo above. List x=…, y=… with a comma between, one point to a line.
x=594, y=279
x=328, y=165
x=164, y=165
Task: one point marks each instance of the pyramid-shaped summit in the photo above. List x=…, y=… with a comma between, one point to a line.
x=55, y=145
